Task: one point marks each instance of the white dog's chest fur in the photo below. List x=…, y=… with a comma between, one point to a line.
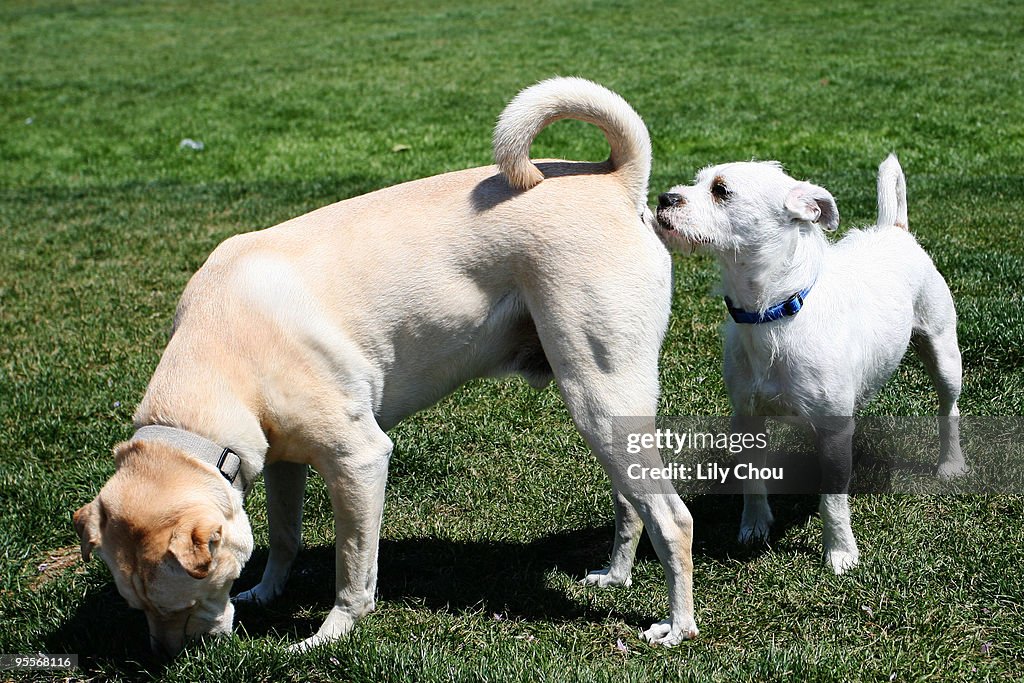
x=848, y=339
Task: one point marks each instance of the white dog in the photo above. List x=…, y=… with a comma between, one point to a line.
x=817, y=328
x=303, y=343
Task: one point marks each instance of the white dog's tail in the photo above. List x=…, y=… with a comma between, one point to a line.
x=573, y=98
x=892, y=194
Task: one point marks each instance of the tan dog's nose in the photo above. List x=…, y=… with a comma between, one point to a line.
x=166, y=637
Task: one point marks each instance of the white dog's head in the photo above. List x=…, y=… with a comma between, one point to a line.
x=173, y=538
x=743, y=208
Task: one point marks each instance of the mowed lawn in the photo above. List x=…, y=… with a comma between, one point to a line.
x=495, y=509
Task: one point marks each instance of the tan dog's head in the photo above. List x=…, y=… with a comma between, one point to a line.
x=173, y=536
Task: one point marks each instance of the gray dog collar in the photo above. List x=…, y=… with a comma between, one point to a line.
x=224, y=459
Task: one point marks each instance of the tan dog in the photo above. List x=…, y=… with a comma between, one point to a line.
x=301, y=344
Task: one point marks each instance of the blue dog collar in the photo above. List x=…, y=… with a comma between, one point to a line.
x=787, y=308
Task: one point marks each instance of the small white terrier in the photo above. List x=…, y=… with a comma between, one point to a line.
x=817, y=328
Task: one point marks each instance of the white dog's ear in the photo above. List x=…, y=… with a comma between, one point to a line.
x=87, y=524
x=194, y=542
x=813, y=204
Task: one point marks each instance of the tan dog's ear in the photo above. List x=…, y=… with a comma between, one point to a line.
x=194, y=543
x=87, y=524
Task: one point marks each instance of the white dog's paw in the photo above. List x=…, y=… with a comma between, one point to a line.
x=756, y=532
x=841, y=560
x=602, y=578
x=952, y=469
x=662, y=633
x=756, y=524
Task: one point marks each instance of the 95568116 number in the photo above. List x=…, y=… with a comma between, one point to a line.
x=37, y=662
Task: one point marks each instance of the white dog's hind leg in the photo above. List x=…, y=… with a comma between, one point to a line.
x=628, y=527
x=286, y=486
x=355, y=475
x=940, y=354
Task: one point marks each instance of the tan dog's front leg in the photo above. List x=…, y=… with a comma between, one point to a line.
x=286, y=488
x=355, y=475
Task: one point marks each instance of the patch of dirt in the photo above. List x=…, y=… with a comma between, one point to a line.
x=55, y=563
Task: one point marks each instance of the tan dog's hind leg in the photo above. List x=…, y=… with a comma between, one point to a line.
x=286, y=487
x=606, y=363
x=355, y=471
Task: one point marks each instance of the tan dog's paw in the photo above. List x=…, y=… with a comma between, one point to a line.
x=602, y=578
x=339, y=622
x=664, y=634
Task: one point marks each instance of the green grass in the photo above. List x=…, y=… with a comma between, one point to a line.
x=494, y=507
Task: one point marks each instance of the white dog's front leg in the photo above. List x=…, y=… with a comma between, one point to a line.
x=835, y=451
x=286, y=486
x=841, y=551
x=628, y=527
x=355, y=478
x=757, y=520
x=757, y=517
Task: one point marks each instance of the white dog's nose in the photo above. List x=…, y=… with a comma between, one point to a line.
x=669, y=199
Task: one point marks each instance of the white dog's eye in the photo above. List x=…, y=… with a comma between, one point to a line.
x=719, y=191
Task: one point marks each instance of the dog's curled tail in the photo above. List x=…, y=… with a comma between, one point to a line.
x=892, y=194
x=534, y=108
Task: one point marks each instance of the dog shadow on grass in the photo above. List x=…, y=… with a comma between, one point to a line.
x=441, y=575
x=503, y=577
x=500, y=577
